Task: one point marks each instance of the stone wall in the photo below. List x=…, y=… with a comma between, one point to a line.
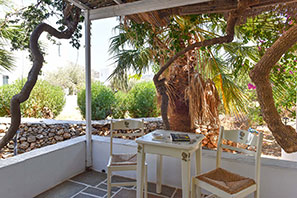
x=36, y=133
x=39, y=134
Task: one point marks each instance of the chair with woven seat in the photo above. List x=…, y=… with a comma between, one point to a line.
x=124, y=161
x=223, y=183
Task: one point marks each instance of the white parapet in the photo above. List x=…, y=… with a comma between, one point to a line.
x=278, y=177
x=31, y=173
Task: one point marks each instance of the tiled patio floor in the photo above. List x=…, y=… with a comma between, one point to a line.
x=92, y=184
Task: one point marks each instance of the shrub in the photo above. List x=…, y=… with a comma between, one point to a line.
x=120, y=106
x=70, y=77
x=102, y=101
x=142, y=100
x=45, y=101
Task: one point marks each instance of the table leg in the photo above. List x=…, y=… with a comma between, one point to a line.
x=197, y=190
x=159, y=173
x=140, y=170
x=186, y=175
x=198, y=157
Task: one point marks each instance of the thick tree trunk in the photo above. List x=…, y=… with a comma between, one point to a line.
x=38, y=60
x=233, y=18
x=161, y=88
x=285, y=135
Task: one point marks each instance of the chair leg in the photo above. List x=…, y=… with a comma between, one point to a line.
x=145, y=181
x=193, y=188
x=108, y=183
x=257, y=194
x=196, y=190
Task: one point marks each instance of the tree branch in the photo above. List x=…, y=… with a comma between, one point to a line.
x=285, y=135
x=38, y=60
x=233, y=18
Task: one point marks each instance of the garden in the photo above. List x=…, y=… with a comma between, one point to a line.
x=139, y=101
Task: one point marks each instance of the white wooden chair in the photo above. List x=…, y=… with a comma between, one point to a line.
x=223, y=183
x=124, y=161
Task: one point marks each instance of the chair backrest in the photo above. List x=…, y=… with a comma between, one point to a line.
x=126, y=124
x=246, y=139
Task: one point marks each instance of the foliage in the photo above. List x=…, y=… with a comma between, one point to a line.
x=264, y=30
x=124, y=83
x=70, y=77
x=140, y=46
x=45, y=101
x=22, y=22
x=102, y=101
x=120, y=109
x=142, y=100
x=6, y=58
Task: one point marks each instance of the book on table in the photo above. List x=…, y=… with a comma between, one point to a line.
x=180, y=137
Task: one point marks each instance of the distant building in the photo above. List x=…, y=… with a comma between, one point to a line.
x=4, y=79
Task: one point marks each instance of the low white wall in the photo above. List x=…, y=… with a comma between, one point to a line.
x=31, y=173
x=278, y=177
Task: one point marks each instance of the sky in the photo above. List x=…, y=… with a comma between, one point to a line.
x=101, y=32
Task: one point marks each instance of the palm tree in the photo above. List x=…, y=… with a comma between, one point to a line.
x=139, y=46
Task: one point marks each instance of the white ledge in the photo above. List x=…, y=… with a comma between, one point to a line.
x=240, y=158
x=41, y=151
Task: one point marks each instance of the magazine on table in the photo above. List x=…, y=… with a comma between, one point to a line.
x=180, y=137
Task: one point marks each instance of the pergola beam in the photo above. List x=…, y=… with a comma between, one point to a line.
x=79, y=4
x=118, y=2
x=139, y=7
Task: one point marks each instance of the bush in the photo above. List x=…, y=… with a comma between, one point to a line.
x=102, y=101
x=142, y=100
x=45, y=101
x=70, y=77
x=120, y=106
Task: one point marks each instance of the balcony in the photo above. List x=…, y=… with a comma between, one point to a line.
x=60, y=168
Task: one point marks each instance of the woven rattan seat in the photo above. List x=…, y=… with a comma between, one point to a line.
x=223, y=183
x=226, y=181
x=123, y=159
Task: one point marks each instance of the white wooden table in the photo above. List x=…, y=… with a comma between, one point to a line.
x=181, y=150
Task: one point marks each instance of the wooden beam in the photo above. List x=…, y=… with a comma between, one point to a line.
x=118, y=2
x=220, y=6
x=217, y=6
x=139, y=7
x=79, y=4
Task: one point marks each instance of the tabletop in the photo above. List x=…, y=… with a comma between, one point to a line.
x=164, y=139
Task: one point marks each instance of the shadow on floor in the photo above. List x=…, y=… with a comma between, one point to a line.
x=92, y=184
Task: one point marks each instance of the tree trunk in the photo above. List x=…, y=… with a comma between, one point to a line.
x=71, y=23
x=285, y=135
x=233, y=18
x=178, y=81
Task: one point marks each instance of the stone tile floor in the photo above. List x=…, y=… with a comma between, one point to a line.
x=92, y=184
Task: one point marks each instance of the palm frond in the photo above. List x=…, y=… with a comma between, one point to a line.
x=6, y=59
x=219, y=71
x=136, y=60
x=234, y=98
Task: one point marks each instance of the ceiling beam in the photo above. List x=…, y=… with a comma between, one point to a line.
x=139, y=7
x=221, y=6
x=118, y=1
x=79, y=4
